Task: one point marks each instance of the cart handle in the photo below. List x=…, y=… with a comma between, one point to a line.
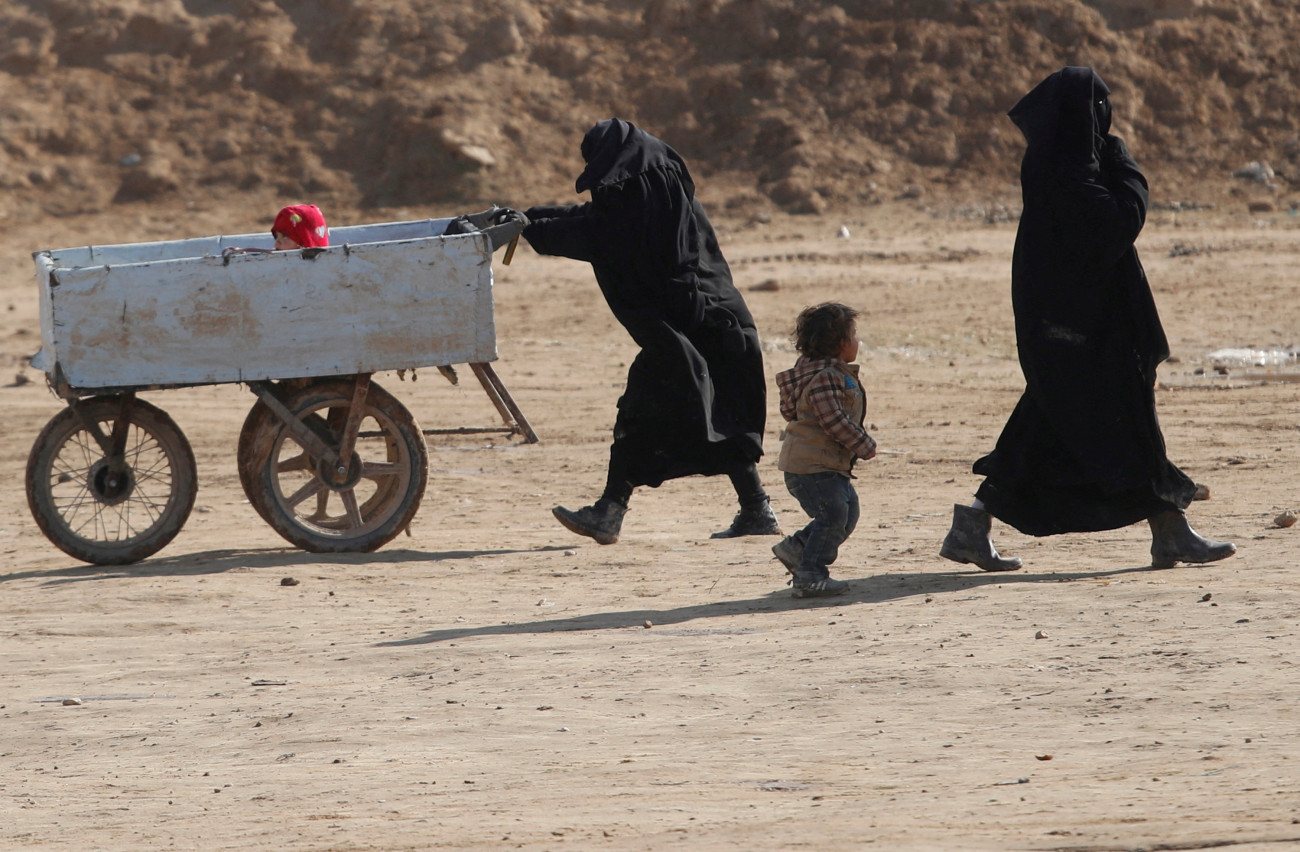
x=499, y=233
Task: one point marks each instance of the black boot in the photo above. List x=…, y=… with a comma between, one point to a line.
x=601, y=521
x=1173, y=540
x=969, y=542
x=758, y=519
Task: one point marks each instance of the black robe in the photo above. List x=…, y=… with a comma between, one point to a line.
x=695, y=401
x=1083, y=450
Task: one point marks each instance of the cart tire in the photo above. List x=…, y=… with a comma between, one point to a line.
x=260, y=417
x=285, y=485
x=94, y=518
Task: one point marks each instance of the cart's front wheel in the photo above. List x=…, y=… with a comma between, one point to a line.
x=115, y=497
x=330, y=507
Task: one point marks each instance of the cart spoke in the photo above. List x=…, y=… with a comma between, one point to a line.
x=124, y=529
x=302, y=461
x=157, y=471
x=61, y=475
x=83, y=445
x=322, y=503
x=311, y=487
x=377, y=469
x=353, y=510
x=72, y=509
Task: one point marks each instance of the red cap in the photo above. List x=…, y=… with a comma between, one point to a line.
x=304, y=224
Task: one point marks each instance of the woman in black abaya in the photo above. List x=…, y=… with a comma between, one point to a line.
x=695, y=401
x=1082, y=451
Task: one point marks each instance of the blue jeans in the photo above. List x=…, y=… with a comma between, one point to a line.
x=831, y=502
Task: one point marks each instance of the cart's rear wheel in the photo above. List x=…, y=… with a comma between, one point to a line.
x=332, y=509
x=258, y=419
x=106, y=513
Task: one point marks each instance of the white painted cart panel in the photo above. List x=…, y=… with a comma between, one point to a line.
x=383, y=297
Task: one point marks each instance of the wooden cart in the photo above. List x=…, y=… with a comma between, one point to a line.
x=328, y=458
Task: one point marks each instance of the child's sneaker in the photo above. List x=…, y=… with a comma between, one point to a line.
x=809, y=588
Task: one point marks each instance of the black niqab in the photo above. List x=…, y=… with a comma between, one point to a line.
x=616, y=150
x=1083, y=450
x=695, y=401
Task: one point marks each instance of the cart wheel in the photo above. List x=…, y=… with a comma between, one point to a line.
x=259, y=419
x=104, y=517
x=324, y=510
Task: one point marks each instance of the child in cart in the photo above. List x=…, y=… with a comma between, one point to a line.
x=300, y=226
x=297, y=226
x=824, y=405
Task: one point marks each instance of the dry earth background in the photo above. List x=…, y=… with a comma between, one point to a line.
x=491, y=682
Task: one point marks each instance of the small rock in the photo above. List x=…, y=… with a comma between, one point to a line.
x=1206, y=597
x=648, y=624
x=570, y=553
x=1040, y=635
x=289, y=581
x=843, y=232
x=478, y=155
x=72, y=702
x=1256, y=171
x=1260, y=207
x=1286, y=519
x=461, y=146
x=1202, y=492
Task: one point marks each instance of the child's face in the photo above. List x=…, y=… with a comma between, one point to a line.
x=284, y=243
x=849, y=348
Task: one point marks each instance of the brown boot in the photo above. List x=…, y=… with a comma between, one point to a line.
x=1173, y=541
x=969, y=541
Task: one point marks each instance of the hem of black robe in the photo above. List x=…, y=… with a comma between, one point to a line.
x=1043, y=510
x=652, y=465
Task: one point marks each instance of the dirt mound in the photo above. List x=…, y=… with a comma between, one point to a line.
x=801, y=104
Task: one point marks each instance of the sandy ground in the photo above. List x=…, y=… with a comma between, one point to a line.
x=494, y=682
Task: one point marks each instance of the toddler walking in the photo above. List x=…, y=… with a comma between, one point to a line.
x=824, y=405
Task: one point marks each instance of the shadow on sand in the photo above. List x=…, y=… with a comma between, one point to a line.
x=218, y=561
x=863, y=590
